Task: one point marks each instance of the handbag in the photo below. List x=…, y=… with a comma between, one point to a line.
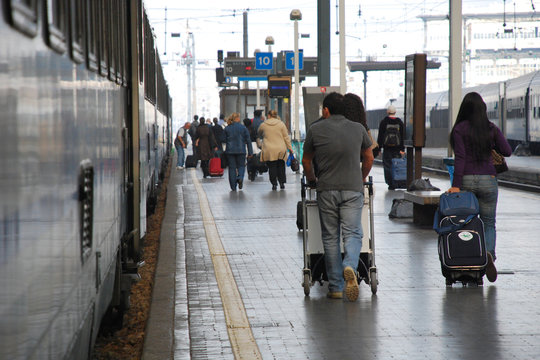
x=293, y=162
x=459, y=203
x=498, y=161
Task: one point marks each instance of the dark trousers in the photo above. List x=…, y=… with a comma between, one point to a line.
x=387, y=157
x=204, y=167
x=276, y=171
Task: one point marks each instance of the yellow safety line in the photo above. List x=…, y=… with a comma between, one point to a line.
x=241, y=337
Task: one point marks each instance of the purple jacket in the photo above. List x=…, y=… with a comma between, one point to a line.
x=465, y=164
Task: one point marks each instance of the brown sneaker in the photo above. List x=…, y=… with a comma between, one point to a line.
x=491, y=270
x=351, y=284
x=335, y=295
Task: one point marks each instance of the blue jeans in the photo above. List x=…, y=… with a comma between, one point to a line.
x=340, y=210
x=487, y=191
x=237, y=167
x=180, y=153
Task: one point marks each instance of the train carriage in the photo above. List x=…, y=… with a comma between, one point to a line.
x=85, y=131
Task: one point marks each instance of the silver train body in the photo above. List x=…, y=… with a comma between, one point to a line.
x=85, y=128
x=513, y=105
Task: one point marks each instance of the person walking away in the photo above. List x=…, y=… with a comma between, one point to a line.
x=390, y=139
x=192, y=133
x=237, y=139
x=221, y=121
x=355, y=111
x=275, y=143
x=258, y=119
x=180, y=143
x=338, y=144
x=206, y=146
x=219, y=135
x=472, y=138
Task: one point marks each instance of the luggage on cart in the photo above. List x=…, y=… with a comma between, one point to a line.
x=314, y=266
x=191, y=161
x=399, y=173
x=461, y=244
x=214, y=167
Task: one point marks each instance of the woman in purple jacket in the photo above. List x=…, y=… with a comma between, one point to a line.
x=472, y=138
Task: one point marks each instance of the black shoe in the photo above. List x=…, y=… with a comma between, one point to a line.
x=282, y=186
x=491, y=270
x=274, y=187
x=391, y=188
x=240, y=184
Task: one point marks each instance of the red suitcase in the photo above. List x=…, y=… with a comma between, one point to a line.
x=215, y=167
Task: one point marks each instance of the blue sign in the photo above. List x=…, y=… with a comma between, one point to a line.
x=252, y=78
x=289, y=60
x=264, y=61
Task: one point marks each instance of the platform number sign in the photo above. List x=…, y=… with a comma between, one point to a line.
x=263, y=61
x=289, y=60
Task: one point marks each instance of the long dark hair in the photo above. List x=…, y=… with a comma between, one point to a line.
x=354, y=109
x=473, y=109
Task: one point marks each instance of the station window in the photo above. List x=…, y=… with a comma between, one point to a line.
x=76, y=30
x=55, y=31
x=91, y=34
x=22, y=15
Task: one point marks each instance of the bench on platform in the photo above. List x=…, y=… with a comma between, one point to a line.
x=425, y=204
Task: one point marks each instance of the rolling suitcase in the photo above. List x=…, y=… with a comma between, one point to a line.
x=461, y=244
x=191, y=161
x=399, y=173
x=215, y=167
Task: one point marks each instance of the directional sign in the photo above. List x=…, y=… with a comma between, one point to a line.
x=289, y=60
x=264, y=61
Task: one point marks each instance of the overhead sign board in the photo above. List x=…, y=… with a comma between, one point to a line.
x=242, y=67
x=264, y=61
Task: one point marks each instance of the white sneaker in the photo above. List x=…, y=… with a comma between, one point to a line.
x=178, y=167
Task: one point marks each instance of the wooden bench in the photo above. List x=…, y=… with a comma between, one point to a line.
x=425, y=204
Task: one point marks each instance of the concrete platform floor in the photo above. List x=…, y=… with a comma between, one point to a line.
x=413, y=316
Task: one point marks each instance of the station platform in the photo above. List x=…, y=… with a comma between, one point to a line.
x=228, y=282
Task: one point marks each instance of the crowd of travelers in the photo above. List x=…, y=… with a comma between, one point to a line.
x=338, y=154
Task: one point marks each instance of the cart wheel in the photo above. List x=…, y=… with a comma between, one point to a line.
x=449, y=282
x=373, y=280
x=306, y=284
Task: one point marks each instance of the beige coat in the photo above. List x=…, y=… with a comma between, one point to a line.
x=276, y=140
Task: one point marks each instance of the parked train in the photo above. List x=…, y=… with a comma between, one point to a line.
x=85, y=136
x=513, y=105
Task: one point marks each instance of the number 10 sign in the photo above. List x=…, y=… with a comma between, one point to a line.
x=263, y=61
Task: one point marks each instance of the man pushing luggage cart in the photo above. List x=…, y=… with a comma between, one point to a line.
x=314, y=266
x=342, y=149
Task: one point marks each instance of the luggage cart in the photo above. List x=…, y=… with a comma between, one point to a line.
x=314, y=267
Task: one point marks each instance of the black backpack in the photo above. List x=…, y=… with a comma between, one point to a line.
x=392, y=136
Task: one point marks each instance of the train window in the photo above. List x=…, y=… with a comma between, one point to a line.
x=56, y=25
x=91, y=40
x=22, y=15
x=103, y=36
x=76, y=30
x=122, y=49
x=112, y=30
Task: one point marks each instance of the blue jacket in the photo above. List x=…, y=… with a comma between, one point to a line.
x=237, y=137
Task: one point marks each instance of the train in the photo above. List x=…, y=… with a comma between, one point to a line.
x=513, y=105
x=85, y=140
